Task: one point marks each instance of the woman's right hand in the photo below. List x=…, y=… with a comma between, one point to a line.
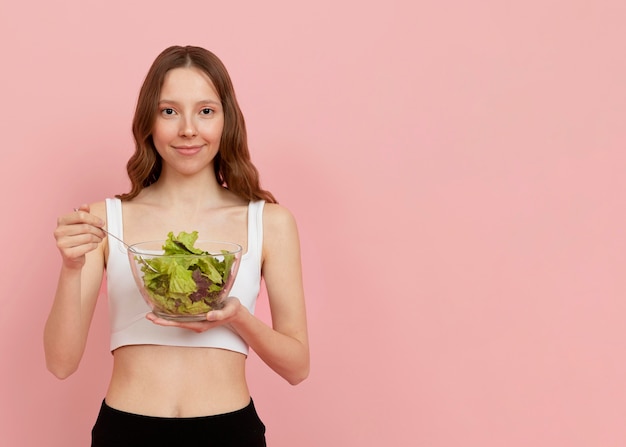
x=77, y=234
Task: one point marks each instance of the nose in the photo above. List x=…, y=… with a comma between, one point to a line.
x=188, y=127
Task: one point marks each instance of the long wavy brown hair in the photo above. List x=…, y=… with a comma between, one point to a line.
x=233, y=168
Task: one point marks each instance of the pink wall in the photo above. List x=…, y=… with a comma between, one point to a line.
x=457, y=170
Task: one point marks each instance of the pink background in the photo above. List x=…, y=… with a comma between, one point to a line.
x=457, y=171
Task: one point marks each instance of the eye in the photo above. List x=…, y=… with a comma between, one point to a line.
x=168, y=111
x=206, y=111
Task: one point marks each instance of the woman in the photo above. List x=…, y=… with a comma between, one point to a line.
x=191, y=171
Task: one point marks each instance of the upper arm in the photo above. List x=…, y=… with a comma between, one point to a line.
x=282, y=272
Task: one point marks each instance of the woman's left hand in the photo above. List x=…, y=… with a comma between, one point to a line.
x=214, y=318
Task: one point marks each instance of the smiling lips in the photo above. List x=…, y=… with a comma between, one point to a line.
x=188, y=150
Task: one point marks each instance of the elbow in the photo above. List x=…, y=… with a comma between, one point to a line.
x=299, y=376
x=296, y=380
x=61, y=374
x=61, y=371
x=61, y=363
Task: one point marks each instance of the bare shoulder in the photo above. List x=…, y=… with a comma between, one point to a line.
x=277, y=218
x=281, y=245
x=280, y=231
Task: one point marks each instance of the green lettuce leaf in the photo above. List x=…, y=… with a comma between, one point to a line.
x=183, y=282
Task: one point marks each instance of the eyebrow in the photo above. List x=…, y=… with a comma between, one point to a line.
x=205, y=101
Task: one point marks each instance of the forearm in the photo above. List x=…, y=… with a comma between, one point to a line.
x=287, y=355
x=65, y=329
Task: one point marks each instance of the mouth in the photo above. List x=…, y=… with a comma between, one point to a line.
x=188, y=150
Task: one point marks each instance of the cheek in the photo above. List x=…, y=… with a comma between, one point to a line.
x=212, y=132
x=219, y=130
x=161, y=134
x=157, y=140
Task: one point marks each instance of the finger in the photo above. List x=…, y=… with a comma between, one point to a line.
x=90, y=236
x=82, y=215
x=226, y=311
x=161, y=321
x=78, y=251
x=218, y=315
x=196, y=326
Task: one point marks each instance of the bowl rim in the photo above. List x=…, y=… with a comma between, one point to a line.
x=133, y=248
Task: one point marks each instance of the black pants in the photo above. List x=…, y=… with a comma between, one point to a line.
x=115, y=428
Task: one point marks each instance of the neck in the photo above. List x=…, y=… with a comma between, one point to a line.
x=187, y=192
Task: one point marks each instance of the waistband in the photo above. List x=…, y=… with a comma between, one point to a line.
x=121, y=428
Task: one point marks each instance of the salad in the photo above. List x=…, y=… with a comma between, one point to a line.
x=185, y=279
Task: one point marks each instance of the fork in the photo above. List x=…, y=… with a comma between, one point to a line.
x=131, y=249
x=128, y=247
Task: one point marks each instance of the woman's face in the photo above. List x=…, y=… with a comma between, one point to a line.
x=189, y=122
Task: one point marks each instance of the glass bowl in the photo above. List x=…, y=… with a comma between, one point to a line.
x=185, y=287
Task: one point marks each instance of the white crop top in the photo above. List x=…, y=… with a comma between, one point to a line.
x=127, y=308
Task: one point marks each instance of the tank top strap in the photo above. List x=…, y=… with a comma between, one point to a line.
x=114, y=218
x=255, y=228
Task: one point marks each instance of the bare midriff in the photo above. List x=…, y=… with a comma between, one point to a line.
x=172, y=381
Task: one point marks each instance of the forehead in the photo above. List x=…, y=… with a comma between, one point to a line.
x=188, y=82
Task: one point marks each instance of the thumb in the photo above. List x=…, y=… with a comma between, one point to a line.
x=83, y=207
